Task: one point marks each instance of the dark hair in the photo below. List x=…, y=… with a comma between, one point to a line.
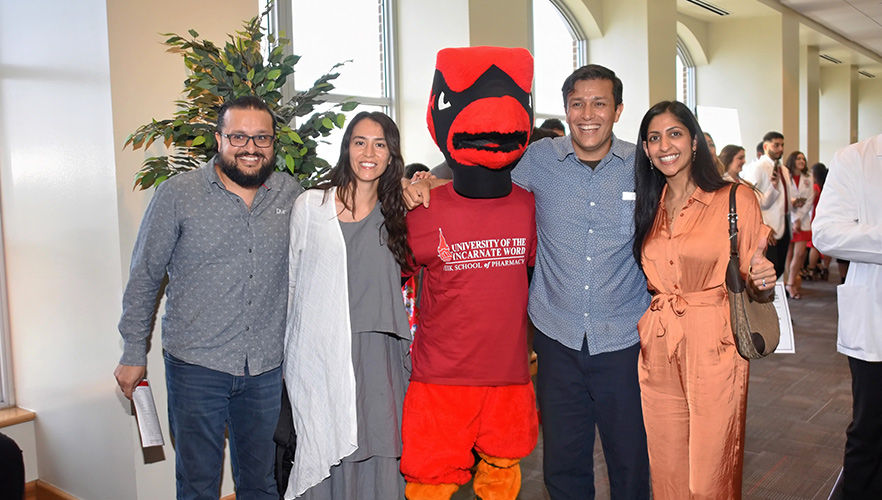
x=541, y=133
x=243, y=102
x=592, y=72
x=389, y=191
x=791, y=163
x=413, y=168
x=759, y=148
x=728, y=153
x=819, y=173
x=553, y=124
x=649, y=182
x=771, y=136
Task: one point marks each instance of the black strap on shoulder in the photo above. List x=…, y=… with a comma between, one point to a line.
x=733, y=224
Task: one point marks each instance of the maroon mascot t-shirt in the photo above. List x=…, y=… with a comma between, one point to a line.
x=473, y=318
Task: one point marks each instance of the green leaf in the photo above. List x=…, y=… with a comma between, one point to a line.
x=193, y=33
x=289, y=162
x=327, y=123
x=341, y=119
x=199, y=140
x=272, y=75
x=230, y=68
x=250, y=75
x=295, y=137
x=349, y=105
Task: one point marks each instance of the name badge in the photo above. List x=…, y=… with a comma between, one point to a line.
x=629, y=195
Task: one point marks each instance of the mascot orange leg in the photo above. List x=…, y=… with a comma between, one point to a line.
x=497, y=478
x=420, y=491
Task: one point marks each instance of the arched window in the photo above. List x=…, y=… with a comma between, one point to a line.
x=362, y=38
x=685, y=76
x=559, y=47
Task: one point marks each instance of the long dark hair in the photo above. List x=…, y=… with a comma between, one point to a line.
x=649, y=182
x=819, y=173
x=389, y=191
x=791, y=163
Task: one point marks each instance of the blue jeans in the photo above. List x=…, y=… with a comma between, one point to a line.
x=201, y=403
x=577, y=391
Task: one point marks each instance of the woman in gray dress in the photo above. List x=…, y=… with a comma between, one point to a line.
x=347, y=342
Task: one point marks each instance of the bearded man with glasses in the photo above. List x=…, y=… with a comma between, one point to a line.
x=220, y=234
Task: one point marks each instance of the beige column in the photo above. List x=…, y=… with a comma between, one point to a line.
x=789, y=89
x=640, y=44
x=853, y=99
x=501, y=23
x=809, y=95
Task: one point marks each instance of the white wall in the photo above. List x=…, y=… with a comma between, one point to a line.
x=744, y=73
x=423, y=30
x=869, y=107
x=62, y=241
x=834, y=110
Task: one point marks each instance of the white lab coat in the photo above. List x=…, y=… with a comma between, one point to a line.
x=804, y=189
x=771, y=199
x=848, y=225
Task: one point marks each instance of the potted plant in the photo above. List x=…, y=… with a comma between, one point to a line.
x=238, y=68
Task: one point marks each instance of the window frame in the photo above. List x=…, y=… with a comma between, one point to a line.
x=7, y=395
x=580, y=52
x=281, y=20
x=689, y=68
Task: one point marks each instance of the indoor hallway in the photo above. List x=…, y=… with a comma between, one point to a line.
x=798, y=408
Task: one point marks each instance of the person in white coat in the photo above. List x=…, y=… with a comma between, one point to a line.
x=848, y=225
x=772, y=183
x=802, y=197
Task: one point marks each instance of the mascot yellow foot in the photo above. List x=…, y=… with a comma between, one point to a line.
x=497, y=478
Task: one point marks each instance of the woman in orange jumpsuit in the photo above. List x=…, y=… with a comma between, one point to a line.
x=692, y=380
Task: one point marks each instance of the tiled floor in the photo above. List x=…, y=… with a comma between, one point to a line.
x=798, y=408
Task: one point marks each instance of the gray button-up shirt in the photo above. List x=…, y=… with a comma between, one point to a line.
x=227, y=270
x=586, y=284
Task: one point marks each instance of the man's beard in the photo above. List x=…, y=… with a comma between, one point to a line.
x=231, y=170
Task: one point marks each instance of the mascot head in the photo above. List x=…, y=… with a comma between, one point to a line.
x=480, y=115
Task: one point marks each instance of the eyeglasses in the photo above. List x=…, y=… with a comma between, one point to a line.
x=240, y=140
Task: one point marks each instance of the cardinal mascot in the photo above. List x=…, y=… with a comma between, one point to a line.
x=470, y=387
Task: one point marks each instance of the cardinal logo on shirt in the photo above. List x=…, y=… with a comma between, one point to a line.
x=443, y=250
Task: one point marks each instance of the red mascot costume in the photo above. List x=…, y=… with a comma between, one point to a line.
x=470, y=387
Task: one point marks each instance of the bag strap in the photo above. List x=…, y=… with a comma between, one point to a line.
x=733, y=226
x=734, y=281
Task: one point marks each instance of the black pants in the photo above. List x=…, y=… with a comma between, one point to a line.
x=862, y=467
x=576, y=392
x=12, y=476
x=777, y=253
